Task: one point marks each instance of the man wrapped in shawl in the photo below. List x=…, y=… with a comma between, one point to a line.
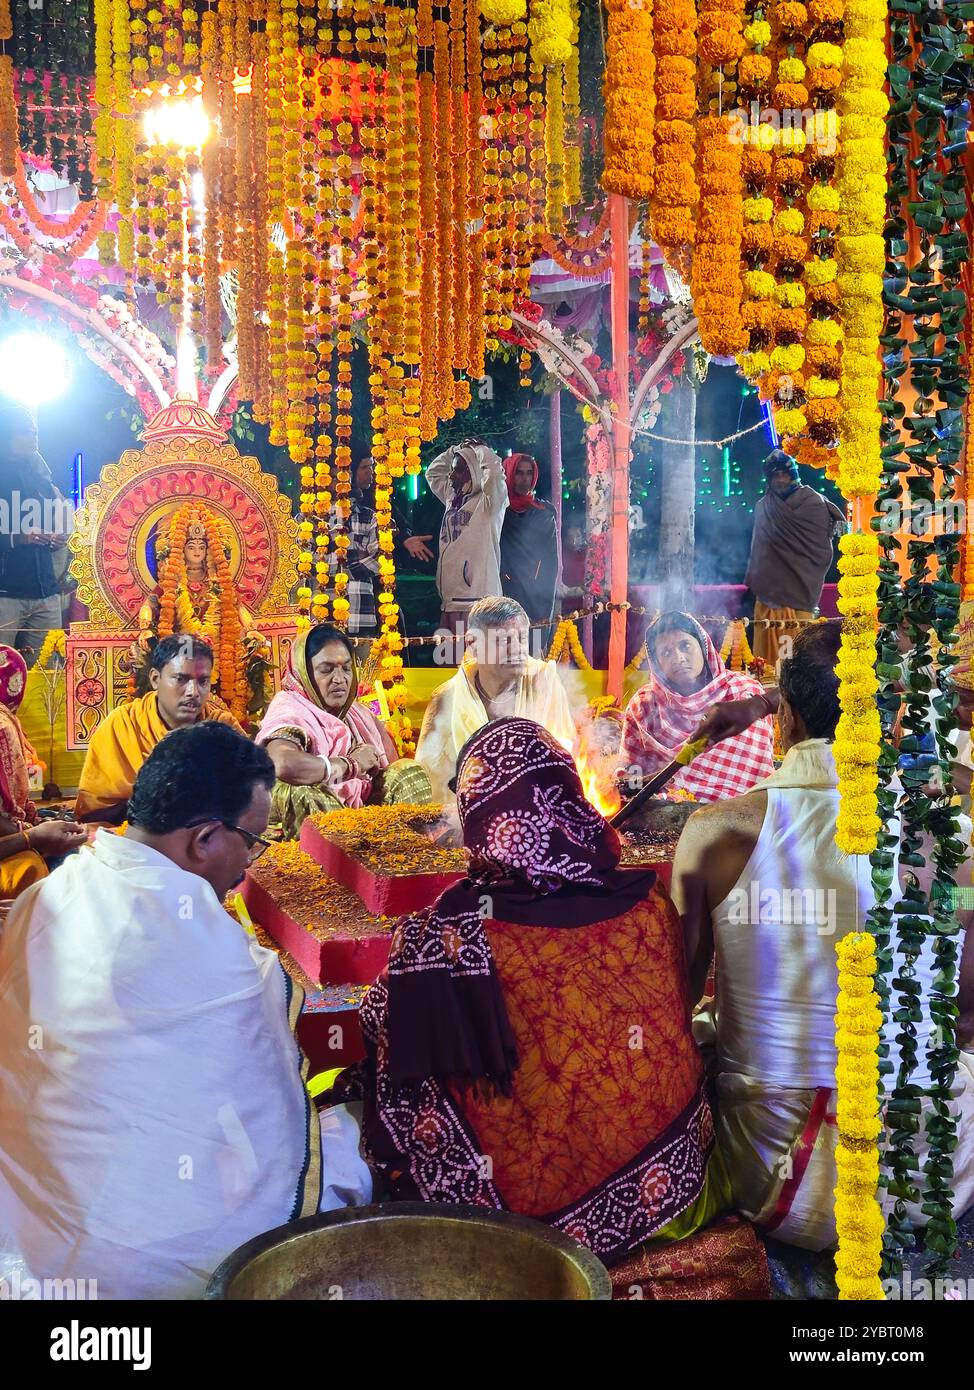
x=537, y=1014
x=791, y=551
x=24, y=844
x=529, y=542
x=329, y=751
x=687, y=678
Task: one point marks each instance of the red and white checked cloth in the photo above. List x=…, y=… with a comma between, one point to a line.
x=659, y=721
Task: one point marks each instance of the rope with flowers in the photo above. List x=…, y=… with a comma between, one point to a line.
x=926, y=253
x=858, y=1218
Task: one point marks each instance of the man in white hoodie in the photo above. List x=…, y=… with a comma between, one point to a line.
x=469, y=480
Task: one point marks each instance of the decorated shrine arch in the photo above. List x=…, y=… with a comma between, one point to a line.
x=183, y=461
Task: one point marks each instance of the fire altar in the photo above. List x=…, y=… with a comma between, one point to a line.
x=186, y=458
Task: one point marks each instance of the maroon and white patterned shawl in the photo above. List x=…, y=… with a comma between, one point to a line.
x=540, y=855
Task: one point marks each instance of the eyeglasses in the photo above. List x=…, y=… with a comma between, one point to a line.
x=256, y=844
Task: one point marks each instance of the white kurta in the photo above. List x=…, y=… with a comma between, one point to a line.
x=153, y=1111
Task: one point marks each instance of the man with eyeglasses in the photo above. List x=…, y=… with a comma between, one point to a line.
x=153, y=1108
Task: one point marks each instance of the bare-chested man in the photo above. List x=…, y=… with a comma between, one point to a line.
x=762, y=887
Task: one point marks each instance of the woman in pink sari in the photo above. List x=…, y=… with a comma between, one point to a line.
x=328, y=751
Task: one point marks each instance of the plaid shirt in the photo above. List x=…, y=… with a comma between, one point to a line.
x=363, y=566
x=658, y=722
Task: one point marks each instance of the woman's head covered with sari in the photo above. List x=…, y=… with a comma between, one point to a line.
x=540, y=856
x=13, y=678
x=15, y=799
x=524, y=814
x=686, y=678
x=681, y=654
x=315, y=706
x=317, y=669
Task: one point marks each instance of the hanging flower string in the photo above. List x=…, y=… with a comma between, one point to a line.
x=858, y=1218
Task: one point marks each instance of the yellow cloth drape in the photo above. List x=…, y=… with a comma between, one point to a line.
x=20, y=871
x=118, y=749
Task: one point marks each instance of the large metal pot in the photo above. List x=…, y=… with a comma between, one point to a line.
x=411, y=1251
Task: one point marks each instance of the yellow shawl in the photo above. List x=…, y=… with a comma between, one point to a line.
x=119, y=747
x=456, y=711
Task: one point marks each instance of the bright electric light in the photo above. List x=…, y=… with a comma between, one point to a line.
x=33, y=369
x=181, y=123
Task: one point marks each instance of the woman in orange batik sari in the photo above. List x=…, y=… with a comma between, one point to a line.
x=538, y=1013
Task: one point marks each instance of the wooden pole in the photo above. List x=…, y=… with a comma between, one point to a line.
x=621, y=435
x=554, y=436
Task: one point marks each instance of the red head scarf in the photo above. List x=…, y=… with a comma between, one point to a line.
x=540, y=855
x=13, y=678
x=519, y=502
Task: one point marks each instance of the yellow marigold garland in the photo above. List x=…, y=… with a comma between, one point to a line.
x=503, y=12
x=858, y=736
x=629, y=117
x=860, y=249
x=550, y=32
x=858, y=1218
x=566, y=635
x=53, y=644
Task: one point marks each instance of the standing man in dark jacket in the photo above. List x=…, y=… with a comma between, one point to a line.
x=33, y=525
x=791, y=551
x=529, y=542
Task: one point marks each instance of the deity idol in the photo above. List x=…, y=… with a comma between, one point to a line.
x=196, y=594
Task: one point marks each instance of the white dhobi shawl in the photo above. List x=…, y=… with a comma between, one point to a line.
x=153, y=1110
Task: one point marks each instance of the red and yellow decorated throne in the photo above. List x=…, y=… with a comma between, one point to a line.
x=183, y=534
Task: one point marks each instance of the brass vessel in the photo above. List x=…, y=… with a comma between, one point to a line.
x=411, y=1251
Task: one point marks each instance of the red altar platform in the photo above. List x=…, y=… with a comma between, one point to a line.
x=330, y=904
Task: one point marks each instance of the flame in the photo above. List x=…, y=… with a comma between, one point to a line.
x=598, y=784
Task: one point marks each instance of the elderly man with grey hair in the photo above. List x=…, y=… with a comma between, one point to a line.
x=496, y=678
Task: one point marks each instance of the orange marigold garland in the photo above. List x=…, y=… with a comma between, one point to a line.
x=674, y=200
x=630, y=71
x=716, y=270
